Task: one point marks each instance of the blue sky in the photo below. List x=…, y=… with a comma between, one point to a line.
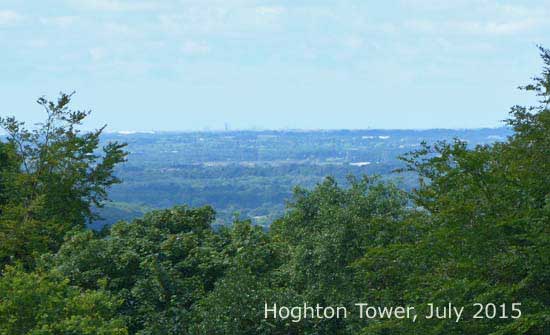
x=198, y=64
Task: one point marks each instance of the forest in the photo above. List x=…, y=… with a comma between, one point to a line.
x=475, y=229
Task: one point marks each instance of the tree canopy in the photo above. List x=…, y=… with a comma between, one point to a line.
x=50, y=179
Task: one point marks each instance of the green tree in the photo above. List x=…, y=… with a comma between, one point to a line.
x=488, y=239
x=9, y=167
x=44, y=303
x=326, y=231
x=61, y=175
x=252, y=279
x=159, y=266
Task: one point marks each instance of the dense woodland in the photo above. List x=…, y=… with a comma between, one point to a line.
x=476, y=229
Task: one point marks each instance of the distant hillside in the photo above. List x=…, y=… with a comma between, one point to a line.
x=251, y=173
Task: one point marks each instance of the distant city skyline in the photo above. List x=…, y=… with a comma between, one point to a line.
x=184, y=65
x=288, y=130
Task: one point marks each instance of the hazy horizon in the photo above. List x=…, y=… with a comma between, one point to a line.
x=108, y=130
x=219, y=130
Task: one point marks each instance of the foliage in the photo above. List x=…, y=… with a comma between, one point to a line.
x=327, y=230
x=45, y=303
x=159, y=265
x=489, y=215
x=50, y=179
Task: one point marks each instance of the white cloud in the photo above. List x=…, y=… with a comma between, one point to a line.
x=442, y=4
x=59, y=21
x=195, y=48
x=113, y=29
x=515, y=10
x=98, y=53
x=473, y=27
x=195, y=19
x=228, y=20
x=116, y=5
x=354, y=42
x=38, y=43
x=9, y=17
x=495, y=28
x=421, y=26
x=270, y=10
x=479, y=17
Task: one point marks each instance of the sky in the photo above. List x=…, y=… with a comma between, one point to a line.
x=266, y=64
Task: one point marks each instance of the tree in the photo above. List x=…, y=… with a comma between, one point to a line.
x=41, y=303
x=488, y=239
x=252, y=278
x=9, y=167
x=326, y=231
x=60, y=177
x=160, y=266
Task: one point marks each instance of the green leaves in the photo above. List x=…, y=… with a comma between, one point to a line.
x=45, y=303
x=159, y=266
x=488, y=238
x=51, y=178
